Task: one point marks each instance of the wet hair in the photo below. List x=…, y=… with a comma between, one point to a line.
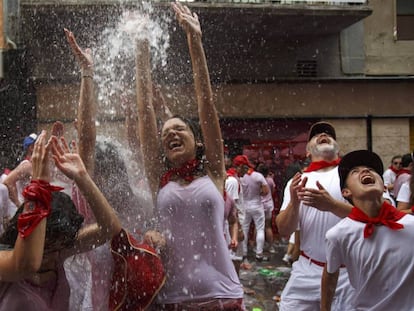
x=198, y=136
x=63, y=222
x=263, y=169
x=112, y=176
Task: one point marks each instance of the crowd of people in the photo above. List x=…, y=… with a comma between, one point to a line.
x=345, y=217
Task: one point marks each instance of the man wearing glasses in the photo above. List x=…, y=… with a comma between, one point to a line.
x=391, y=173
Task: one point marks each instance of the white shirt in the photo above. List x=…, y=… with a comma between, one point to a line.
x=380, y=268
x=404, y=193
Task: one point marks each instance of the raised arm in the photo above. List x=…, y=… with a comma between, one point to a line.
x=86, y=115
x=108, y=223
x=26, y=256
x=147, y=123
x=207, y=113
x=22, y=172
x=287, y=220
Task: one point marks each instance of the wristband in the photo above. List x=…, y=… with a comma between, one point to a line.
x=39, y=194
x=412, y=209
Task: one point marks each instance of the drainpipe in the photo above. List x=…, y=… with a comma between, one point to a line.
x=369, y=132
x=2, y=40
x=5, y=42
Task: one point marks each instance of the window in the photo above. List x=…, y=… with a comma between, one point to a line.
x=405, y=20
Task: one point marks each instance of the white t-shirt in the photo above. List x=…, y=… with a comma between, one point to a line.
x=404, y=193
x=252, y=185
x=389, y=178
x=305, y=280
x=234, y=190
x=313, y=224
x=7, y=207
x=380, y=268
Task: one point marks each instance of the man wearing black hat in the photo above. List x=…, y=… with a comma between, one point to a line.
x=372, y=242
x=305, y=209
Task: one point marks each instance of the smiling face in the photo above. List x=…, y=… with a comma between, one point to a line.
x=322, y=147
x=178, y=142
x=363, y=182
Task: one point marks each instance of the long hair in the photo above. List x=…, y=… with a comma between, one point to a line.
x=64, y=221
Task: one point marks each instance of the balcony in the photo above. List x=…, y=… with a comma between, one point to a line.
x=245, y=40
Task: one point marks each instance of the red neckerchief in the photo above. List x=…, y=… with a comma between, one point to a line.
x=403, y=171
x=39, y=195
x=250, y=171
x=185, y=172
x=232, y=172
x=316, y=166
x=387, y=216
x=395, y=170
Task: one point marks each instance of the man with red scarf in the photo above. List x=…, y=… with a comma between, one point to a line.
x=404, y=174
x=391, y=173
x=369, y=241
x=313, y=204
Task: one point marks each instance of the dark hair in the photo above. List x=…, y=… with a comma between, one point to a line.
x=111, y=175
x=198, y=136
x=396, y=157
x=406, y=160
x=263, y=169
x=63, y=221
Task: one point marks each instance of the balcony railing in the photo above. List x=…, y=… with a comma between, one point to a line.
x=282, y=2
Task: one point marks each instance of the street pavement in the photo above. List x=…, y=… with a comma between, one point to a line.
x=264, y=280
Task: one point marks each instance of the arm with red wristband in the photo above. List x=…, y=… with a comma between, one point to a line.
x=26, y=256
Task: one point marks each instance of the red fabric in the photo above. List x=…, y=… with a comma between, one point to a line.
x=38, y=193
x=231, y=172
x=395, y=170
x=185, y=172
x=316, y=166
x=250, y=171
x=387, y=216
x=412, y=209
x=403, y=171
x=138, y=274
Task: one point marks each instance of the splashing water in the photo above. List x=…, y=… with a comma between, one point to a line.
x=115, y=55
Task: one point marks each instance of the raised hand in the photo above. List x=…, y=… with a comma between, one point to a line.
x=69, y=163
x=296, y=187
x=187, y=19
x=57, y=129
x=83, y=57
x=318, y=198
x=40, y=158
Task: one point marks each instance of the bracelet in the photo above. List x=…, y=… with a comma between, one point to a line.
x=87, y=76
x=39, y=195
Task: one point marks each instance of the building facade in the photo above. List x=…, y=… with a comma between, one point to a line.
x=276, y=67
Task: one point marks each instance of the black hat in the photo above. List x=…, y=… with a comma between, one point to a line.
x=359, y=158
x=322, y=127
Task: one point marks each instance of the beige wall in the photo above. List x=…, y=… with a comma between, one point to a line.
x=343, y=104
x=384, y=55
x=389, y=136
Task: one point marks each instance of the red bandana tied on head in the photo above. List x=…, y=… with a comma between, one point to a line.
x=232, y=172
x=185, y=172
x=39, y=193
x=316, y=166
x=387, y=216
